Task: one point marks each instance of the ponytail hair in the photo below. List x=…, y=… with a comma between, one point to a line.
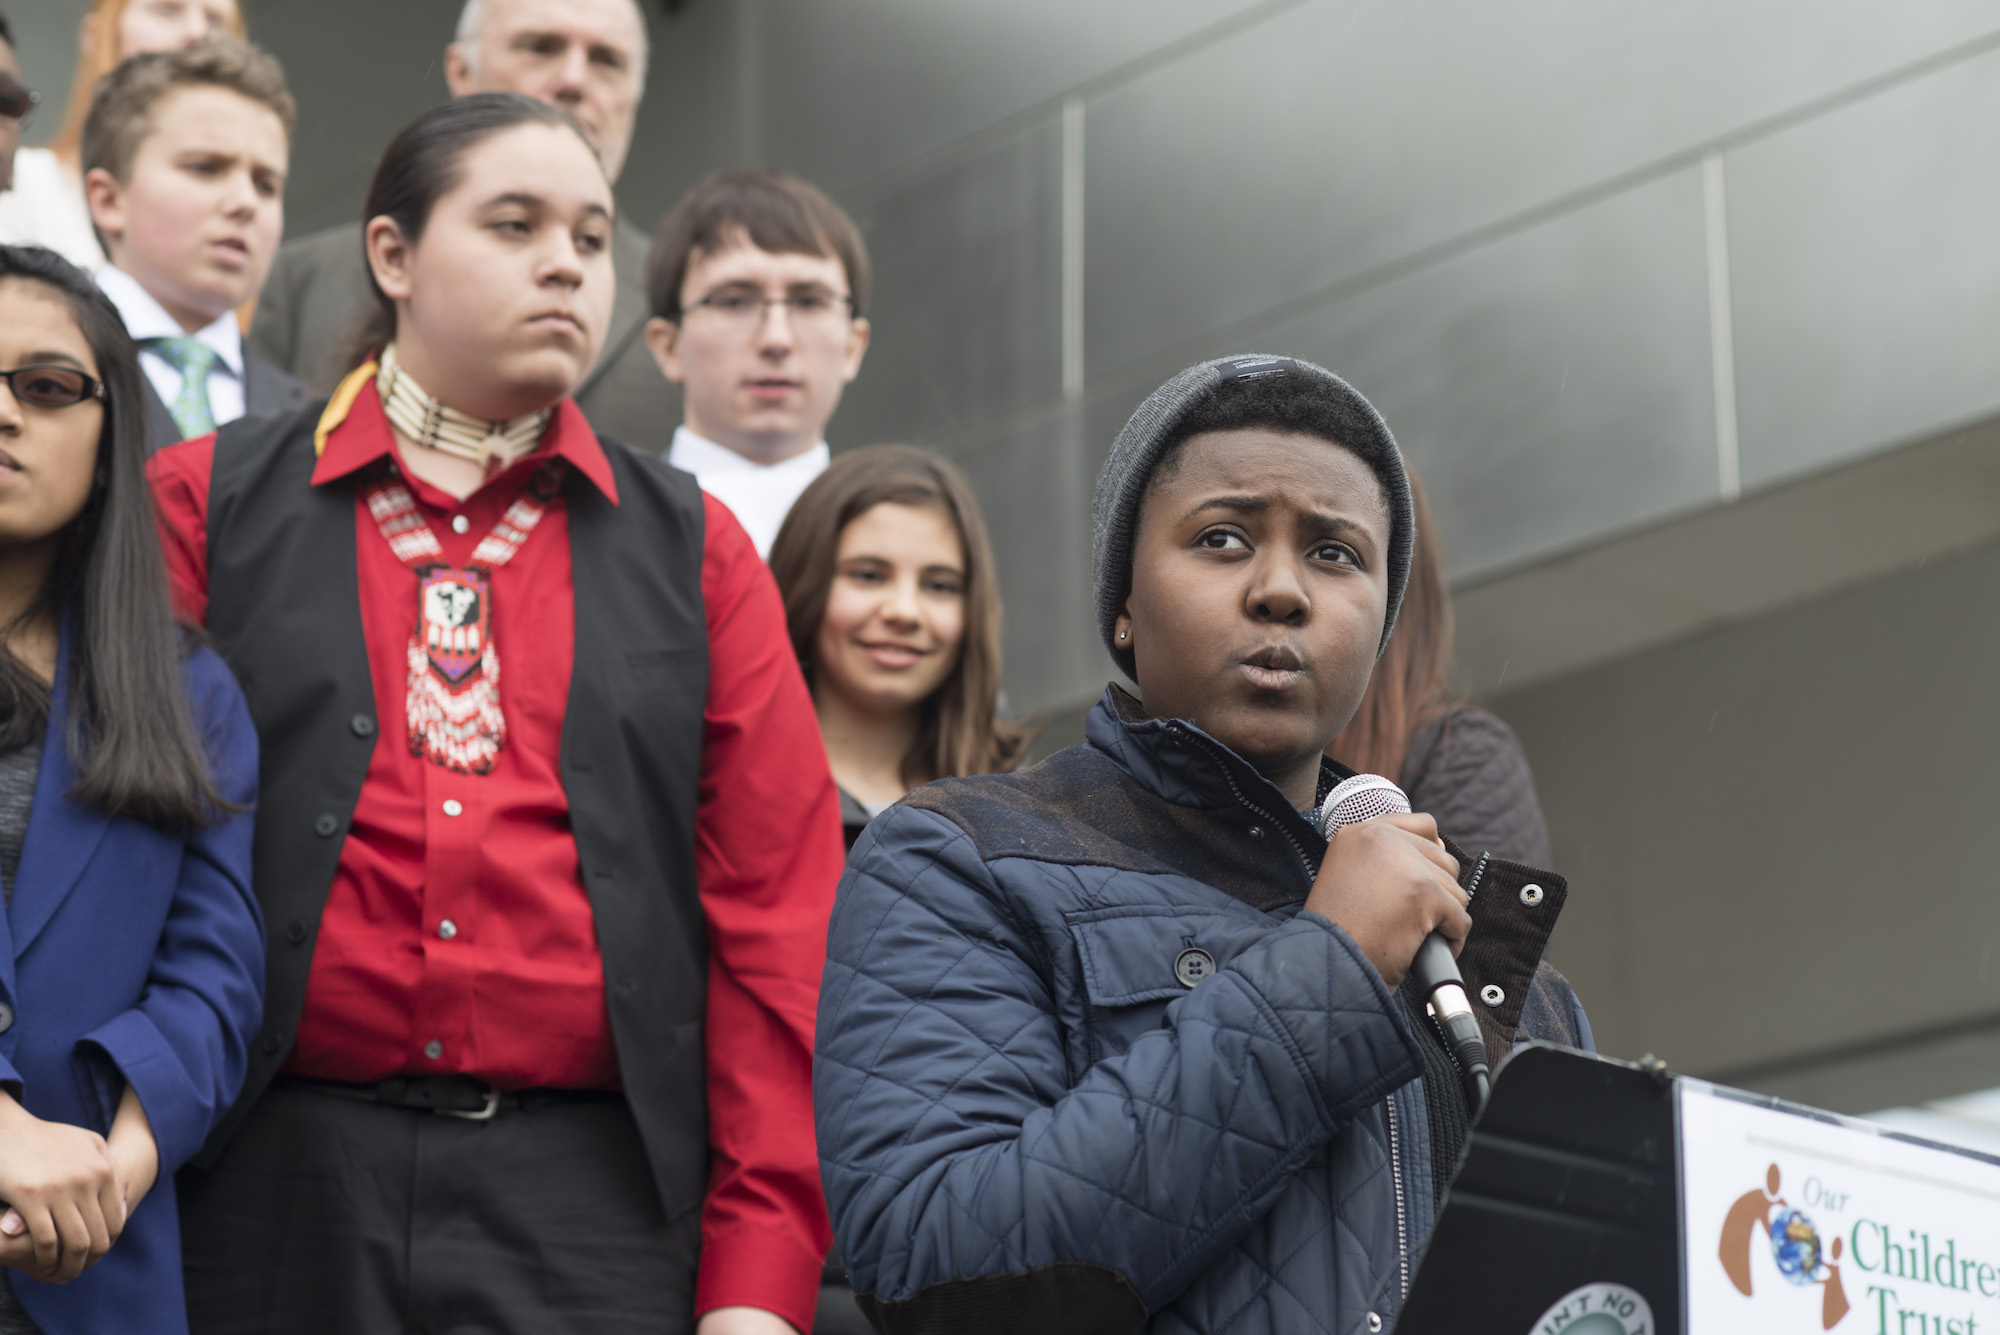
x=422, y=164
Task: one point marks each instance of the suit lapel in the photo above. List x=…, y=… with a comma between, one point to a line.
x=161, y=430
x=256, y=389
x=267, y=390
x=62, y=836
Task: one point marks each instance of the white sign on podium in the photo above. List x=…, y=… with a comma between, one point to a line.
x=1805, y=1222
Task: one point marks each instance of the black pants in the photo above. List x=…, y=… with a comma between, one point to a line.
x=336, y=1216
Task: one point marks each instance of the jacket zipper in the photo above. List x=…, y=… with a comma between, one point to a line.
x=1305, y=859
x=1402, y=1229
x=1312, y=871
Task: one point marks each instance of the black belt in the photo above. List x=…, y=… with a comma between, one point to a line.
x=448, y=1095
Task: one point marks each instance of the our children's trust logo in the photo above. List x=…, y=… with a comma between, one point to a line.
x=1802, y=1257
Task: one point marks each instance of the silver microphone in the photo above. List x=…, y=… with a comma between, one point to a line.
x=1364, y=797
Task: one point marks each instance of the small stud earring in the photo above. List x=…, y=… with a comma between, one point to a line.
x=1124, y=635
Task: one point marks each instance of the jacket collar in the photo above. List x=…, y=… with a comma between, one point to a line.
x=1179, y=763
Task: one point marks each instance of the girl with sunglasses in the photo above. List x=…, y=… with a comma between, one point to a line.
x=131, y=949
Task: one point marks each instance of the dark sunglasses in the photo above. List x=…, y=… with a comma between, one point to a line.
x=17, y=100
x=53, y=386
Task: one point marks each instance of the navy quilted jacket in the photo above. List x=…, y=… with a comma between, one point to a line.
x=1038, y=1111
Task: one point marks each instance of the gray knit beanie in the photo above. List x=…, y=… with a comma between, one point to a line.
x=1114, y=510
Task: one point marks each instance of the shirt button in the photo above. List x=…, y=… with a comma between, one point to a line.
x=459, y=523
x=327, y=825
x=6, y=1017
x=433, y=1049
x=274, y=1042
x=447, y=929
x=296, y=932
x=363, y=725
x=452, y=807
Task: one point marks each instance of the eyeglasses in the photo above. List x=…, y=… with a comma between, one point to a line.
x=17, y=100
x=53, y=386
x=811, y=311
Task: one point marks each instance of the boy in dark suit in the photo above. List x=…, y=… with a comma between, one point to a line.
x=184, y=157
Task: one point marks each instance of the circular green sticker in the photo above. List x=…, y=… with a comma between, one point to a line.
x=1597, y=1309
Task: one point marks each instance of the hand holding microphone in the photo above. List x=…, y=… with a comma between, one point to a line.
x=1389, y=884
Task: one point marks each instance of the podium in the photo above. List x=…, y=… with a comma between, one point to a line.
x=1596, y=1197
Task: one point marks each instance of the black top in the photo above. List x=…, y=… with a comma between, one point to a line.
x=1467, y=769
x=854, y=816
x=19, y=769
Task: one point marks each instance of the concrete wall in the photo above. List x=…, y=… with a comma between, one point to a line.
x=1780, y=838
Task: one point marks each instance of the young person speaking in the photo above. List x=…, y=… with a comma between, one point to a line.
x=1116, y=1042
x=546, y=840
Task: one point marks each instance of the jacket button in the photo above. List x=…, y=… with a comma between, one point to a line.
x=447, y=929
x=6, y=1017
x=273, y=1041
x=1256, y=832
x=1192, y=965
x=433, y=1049
x=1492, y=995
x=1374, y=1322
x=327, y=826
x=295, y=932
x=1531, y=895
x=363, y=725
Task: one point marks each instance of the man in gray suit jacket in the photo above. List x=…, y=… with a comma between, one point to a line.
x=587, y=57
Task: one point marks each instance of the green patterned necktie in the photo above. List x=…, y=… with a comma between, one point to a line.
x=194, y=360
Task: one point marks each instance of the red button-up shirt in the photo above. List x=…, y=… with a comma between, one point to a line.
x=457, y=935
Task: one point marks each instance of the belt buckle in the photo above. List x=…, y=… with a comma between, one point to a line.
x=482, y=1115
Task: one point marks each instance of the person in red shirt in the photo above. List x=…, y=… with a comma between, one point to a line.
x=546, y=841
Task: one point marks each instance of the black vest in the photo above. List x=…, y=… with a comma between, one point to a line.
x=284, y=610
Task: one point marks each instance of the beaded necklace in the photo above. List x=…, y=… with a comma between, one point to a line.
x=418, y=415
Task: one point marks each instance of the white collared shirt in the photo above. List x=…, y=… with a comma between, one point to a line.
x=759, y=495
x=146, y=318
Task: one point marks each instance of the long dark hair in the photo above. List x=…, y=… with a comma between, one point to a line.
x=131, y=733
x=960, y=731
x=422, y=164
x=1408, y=688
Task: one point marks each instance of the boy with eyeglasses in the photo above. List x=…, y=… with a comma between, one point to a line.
x=757, y=282
x=184, y=157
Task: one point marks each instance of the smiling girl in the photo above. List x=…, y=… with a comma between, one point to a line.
x=891, y=602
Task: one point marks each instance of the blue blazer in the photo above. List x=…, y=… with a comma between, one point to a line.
x=131, y=956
